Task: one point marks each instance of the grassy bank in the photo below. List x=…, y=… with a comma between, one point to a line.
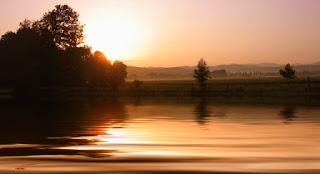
x=268, y=87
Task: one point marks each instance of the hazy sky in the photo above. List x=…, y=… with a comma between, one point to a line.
x=180, y=32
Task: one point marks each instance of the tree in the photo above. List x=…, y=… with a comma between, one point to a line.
x=20, y=55
x=288, y=72
x=137, y=83
x=202, y=73
x=62, y=26
x=117, y=74
x=97, y=69
x=7, y=37
x=73, y=65
x=47, y=53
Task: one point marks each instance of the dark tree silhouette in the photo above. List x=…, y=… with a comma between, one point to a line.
x=118, y=74
x=19, y=55
x=137, y=83
x=73, y=65
x=288, y=72
x=7, y=37
x=97, y=67
x=202, y=73
x=63, y=26
x=46, y=53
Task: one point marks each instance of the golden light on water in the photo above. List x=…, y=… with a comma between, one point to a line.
x=163, y=138
x=115, y=34
x=118, y=136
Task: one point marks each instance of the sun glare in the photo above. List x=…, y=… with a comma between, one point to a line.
x=116, y=35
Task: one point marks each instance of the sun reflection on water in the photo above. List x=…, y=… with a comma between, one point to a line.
x=118, y=136
x=240, y=139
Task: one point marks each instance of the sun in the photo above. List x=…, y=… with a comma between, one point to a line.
x=116, y=35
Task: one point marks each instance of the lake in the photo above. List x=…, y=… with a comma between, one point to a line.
x=165, y=135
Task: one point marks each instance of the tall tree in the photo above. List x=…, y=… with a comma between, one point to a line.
x=288, y=72
x=63, y=26
x=47, y=53
x=202, y=73
x=117, y=75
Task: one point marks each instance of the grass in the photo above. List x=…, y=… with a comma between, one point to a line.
x=276, y=87
x=264, y=87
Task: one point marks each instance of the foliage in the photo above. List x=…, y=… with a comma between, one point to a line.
x=117, y=74
x=97, y=66
x=46, y=53
x=288, y=72
x=63, y=26
x=20, y=55
x=202, y=73
x=137, y=83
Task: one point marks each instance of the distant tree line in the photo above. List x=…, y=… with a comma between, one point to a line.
x=219, y=74
x=202, y=73
x=49, y=52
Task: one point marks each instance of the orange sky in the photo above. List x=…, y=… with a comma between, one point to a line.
x=180, y=32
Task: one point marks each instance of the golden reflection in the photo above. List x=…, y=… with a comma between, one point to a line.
x=243, y=139
x=118, y=136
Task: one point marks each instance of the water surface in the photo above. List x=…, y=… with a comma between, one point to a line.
x=159, y=136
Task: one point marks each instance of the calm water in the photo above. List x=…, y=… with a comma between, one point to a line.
x=159, y=136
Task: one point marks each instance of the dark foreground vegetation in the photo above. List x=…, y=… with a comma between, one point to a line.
x=231, y=88
x=49, y=53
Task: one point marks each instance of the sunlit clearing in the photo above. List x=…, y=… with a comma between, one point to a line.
x=116, y=35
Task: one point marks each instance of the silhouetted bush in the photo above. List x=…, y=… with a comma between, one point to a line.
x=137, y=84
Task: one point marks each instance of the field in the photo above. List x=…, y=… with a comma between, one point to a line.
x=266, y=87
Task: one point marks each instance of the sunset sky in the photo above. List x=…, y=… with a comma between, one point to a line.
x=180, y=32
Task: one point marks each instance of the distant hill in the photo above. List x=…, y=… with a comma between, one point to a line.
x=149, y=70
x=316, y=63
x=233, y=68
x=267, y=64
x=186, y=72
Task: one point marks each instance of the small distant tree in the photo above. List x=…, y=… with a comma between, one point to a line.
x=288, y=72
x=202, y=73
x=137, y=83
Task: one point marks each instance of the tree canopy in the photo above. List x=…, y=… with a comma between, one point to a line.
x=202, y=73
x=47, y=52
x=288, y=72
x=118, y=74
x=63, y=26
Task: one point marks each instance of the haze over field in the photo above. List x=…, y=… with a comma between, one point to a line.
x=179, y=32
x=186, y=72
